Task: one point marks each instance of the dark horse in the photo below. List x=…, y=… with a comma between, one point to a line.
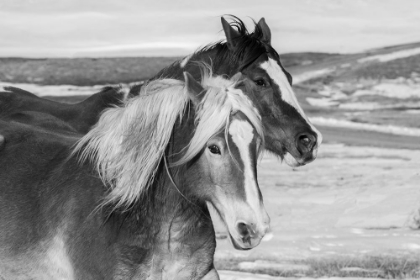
x=288, y=132
x=131, y=200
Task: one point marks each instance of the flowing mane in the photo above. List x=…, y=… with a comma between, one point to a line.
x=249, y=46
x=128, y=143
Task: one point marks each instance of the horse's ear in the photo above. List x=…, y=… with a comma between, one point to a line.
x=194, y=89
x=265, y=31
x=231, y=34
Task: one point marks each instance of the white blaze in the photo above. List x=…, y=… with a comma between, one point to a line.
x=242, y=135
x=287, y=94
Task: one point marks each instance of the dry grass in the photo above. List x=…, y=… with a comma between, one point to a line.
x=386, y=266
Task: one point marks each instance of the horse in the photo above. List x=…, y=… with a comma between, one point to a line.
x=289, y=133
x=80, y=117
x=130, y=199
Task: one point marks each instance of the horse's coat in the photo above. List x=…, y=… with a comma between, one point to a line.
x=55, y=223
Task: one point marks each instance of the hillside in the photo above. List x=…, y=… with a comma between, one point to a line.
x=81, y=71
x=379, y=87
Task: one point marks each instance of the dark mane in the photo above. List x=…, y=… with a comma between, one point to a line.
x=249, y=46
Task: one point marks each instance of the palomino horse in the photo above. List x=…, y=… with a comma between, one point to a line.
x=131, y=201
x=288, y=132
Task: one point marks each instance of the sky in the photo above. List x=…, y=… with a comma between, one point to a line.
x=96, y=28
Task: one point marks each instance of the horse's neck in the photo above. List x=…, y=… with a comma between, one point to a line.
x=174, y=239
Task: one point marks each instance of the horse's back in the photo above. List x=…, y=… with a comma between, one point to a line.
x=80, y=116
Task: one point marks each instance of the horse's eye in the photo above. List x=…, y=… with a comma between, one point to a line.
x=214, y=149
x=260, y=82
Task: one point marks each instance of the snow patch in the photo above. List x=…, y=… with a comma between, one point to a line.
x=322, y=102
x=259, y=265
x=411, y=246
x=398, y=130
x=300, y=78
x=59, y=90
x=236, y=275
x=393, y=90
x=391, y=56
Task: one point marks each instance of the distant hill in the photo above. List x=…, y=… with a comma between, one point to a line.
x=94, y=71
x=389, y=62
x=81, y=71
x=304, y=67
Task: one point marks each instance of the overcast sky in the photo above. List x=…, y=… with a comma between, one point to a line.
x=71, y=28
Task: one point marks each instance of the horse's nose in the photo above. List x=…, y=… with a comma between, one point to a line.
x=246, y=231
x=306, y=141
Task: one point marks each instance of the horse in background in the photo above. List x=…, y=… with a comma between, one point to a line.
x=80, y=117
x=131, y=201
x=288, y=132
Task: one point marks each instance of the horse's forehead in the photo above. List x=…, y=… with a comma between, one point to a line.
x=241, y=132
x=278, y=76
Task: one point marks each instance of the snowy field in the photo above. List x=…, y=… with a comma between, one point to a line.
x=352, y=202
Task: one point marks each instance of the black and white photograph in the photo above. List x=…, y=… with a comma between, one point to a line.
x=209, y=140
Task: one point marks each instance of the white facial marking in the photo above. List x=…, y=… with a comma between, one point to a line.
x=242, y=135
x=185, y=61
x=287, y=94
x=57, y=262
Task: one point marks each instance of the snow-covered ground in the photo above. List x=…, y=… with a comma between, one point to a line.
x=352, y=201
x=398, y=130
x=385, y=93
x=236, y=275
x=391, y=56
x=58, y=90
x=300, y=78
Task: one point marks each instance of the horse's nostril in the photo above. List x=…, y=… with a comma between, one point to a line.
x=243, y=229
x=306, y=142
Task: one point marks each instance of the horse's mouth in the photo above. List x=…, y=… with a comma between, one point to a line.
x=236, y=245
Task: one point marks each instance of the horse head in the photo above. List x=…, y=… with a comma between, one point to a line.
x=223, y=172
x=288, y=132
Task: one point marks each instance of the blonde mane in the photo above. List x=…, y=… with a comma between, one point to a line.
x=128, y=143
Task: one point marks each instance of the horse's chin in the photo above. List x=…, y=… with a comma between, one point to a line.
x=244, y=245
x=293, y=162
